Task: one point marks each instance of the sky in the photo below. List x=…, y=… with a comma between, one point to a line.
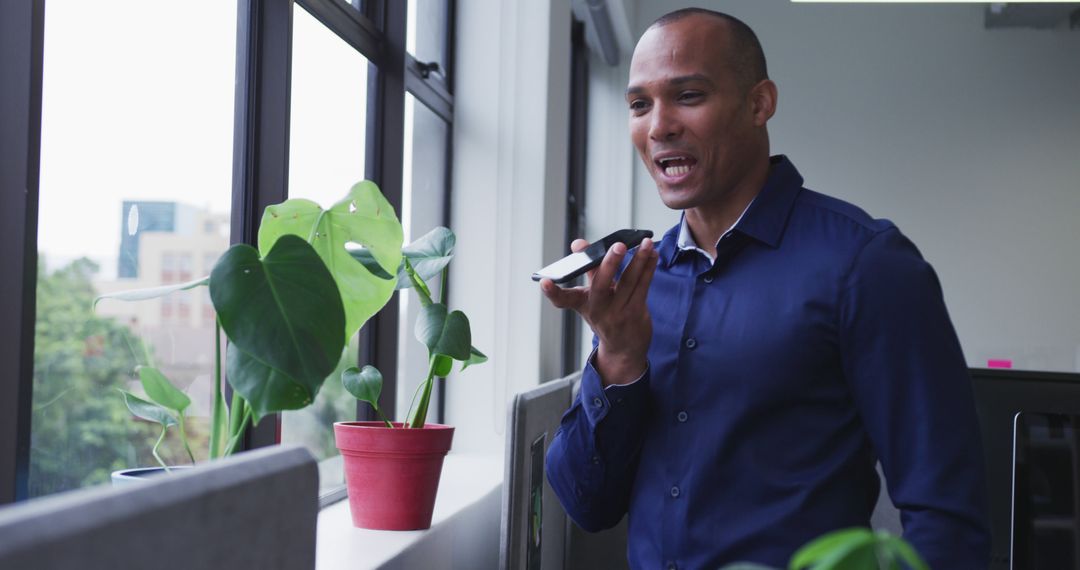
x=137, y=104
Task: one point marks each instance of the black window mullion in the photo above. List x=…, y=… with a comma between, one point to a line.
x=383, y=164
x=21, y=43
x=350, y=25
x=449, y=171
x=575, y=199
x=261, y=133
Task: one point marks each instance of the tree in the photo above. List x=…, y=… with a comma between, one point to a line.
x=81, y=431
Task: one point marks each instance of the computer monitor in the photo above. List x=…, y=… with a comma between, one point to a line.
x=1000, y=394
x=1046, y=497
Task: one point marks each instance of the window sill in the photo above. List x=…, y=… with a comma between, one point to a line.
x=464, y=529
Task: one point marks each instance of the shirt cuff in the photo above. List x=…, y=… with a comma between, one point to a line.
x=599, y=400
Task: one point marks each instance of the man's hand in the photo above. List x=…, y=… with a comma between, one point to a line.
x=615, y=310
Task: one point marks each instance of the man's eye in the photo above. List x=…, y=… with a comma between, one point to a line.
x=638, y=105
x=690, y=96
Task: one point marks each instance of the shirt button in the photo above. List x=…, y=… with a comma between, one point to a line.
x=691, y=343
x=596, y=460
x=682, y=417
x=675, y=491
x=672, y=566
x=708, y=279
x=597, y=402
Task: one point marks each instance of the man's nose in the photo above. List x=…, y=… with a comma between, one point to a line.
x=664, y=124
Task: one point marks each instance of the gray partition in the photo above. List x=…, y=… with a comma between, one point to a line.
x=533, y=419
x=254, y=510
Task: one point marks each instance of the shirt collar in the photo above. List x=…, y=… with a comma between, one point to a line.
x=764, y=219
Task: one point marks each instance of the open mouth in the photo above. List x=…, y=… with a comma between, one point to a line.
x=677, y=165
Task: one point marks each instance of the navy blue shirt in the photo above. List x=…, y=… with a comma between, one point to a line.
x=817, y=344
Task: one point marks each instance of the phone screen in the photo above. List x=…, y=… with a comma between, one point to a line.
x=565, y=266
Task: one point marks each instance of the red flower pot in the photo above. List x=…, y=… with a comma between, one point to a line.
x=392, y=475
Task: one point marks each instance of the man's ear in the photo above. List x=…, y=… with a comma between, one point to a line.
x=763, y=101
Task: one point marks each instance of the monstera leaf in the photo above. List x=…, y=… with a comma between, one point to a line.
x=428, y=255
x=284, y=317
x=363, y=217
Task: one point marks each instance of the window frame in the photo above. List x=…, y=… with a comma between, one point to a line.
x=260, y=172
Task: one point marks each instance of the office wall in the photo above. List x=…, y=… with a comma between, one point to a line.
x=967, y=138
x=509, y=203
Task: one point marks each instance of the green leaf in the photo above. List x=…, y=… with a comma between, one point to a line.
x=365, y=384
x=825, y=547
x=475, y=357
x=428, y=255
x=148, y=410
x=218, y=426
x=363, y=217
x=443, y=365
x=444, y=333
x=161, y=391
x=284, y=313
x=266, y=389
x=152, y=292
x=901, y=548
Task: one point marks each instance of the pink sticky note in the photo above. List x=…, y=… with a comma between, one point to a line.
x=999, y=363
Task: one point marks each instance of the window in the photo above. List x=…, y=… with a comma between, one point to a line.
x=135, y=150
x=158, y=151
x=326, y=157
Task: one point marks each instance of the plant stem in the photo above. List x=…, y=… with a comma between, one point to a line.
x=421, y=288
x=237, y=435
x=383, y=417
x=219, y=416
x=442, y=286
x=412, y=404
x=236, y=412
x=420, y=417
x=183, y=438
x=164, y=428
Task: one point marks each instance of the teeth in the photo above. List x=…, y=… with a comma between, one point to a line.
x=676, y=170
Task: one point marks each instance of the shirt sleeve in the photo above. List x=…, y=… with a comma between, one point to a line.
x=593, y=457
x=911, y=387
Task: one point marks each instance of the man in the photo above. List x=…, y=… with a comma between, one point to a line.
x=753, y=365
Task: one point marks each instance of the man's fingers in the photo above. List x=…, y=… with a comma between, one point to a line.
x=570, y=298
x=604, y=278
x=641, y=289
x=628, y=281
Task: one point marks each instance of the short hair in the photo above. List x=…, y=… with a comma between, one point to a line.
x=747, y=57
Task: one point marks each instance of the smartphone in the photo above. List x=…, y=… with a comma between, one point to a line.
x=575, y=264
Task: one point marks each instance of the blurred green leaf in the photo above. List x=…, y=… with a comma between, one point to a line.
x=161, y=391
x=904, y=551
x=475, y=357
x=363, y=217
x=830, y=548
x=284, y=317
x=148, y=410
x=364, y=384
x=444, y=333
x=443, y=365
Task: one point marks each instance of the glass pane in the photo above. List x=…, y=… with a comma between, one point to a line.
x=424, y=181
x=136, y=175
x=426, y=32
x=326, y=157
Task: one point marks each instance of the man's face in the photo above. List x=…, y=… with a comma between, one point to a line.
x=691, y=121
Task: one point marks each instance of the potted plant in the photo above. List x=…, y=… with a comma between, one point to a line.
x=392, y=469
x=287, y=309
